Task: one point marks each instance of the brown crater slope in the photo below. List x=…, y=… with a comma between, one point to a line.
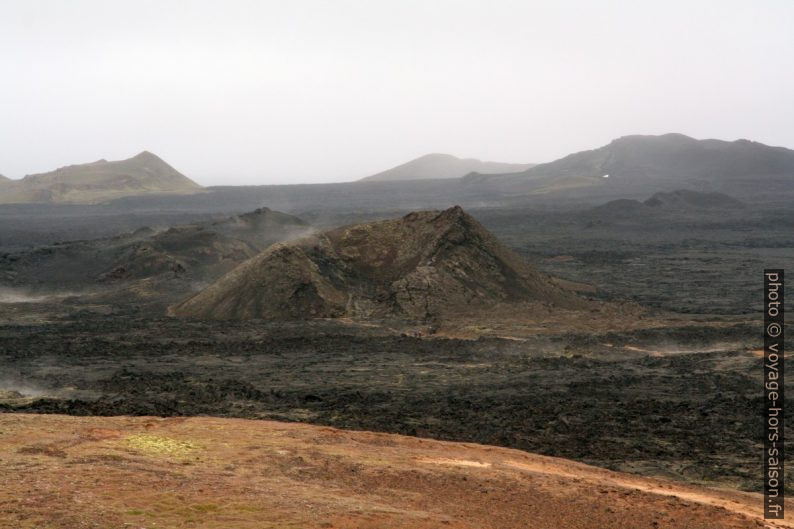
x=423, y=266
x=98, y=472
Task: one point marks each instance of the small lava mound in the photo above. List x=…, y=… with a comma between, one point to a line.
x=688, y=199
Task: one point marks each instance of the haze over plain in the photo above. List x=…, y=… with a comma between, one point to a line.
x=265, y=92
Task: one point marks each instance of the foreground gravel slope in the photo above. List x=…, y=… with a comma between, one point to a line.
x=68, y=472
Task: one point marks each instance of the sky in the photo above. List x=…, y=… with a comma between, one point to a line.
x=276, y=92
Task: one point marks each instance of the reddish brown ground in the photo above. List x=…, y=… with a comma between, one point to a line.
x=136, y=472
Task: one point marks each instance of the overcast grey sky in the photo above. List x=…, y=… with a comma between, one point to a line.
x=245, y=92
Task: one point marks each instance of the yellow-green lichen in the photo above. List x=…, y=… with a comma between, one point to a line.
x=155, y=445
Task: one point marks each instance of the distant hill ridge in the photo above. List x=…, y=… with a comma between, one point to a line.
x=629, y=166
x=643, y=164
x=98, y=181
x=443, y=166
x=672, y=155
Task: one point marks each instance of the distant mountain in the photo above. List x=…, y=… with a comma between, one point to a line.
x=99, y=181
x=424, y=266
x=443, y=166
x=643, y=164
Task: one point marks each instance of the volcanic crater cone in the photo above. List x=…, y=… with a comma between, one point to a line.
x=423, y=266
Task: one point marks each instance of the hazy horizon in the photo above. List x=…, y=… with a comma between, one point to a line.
x=245, y=92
